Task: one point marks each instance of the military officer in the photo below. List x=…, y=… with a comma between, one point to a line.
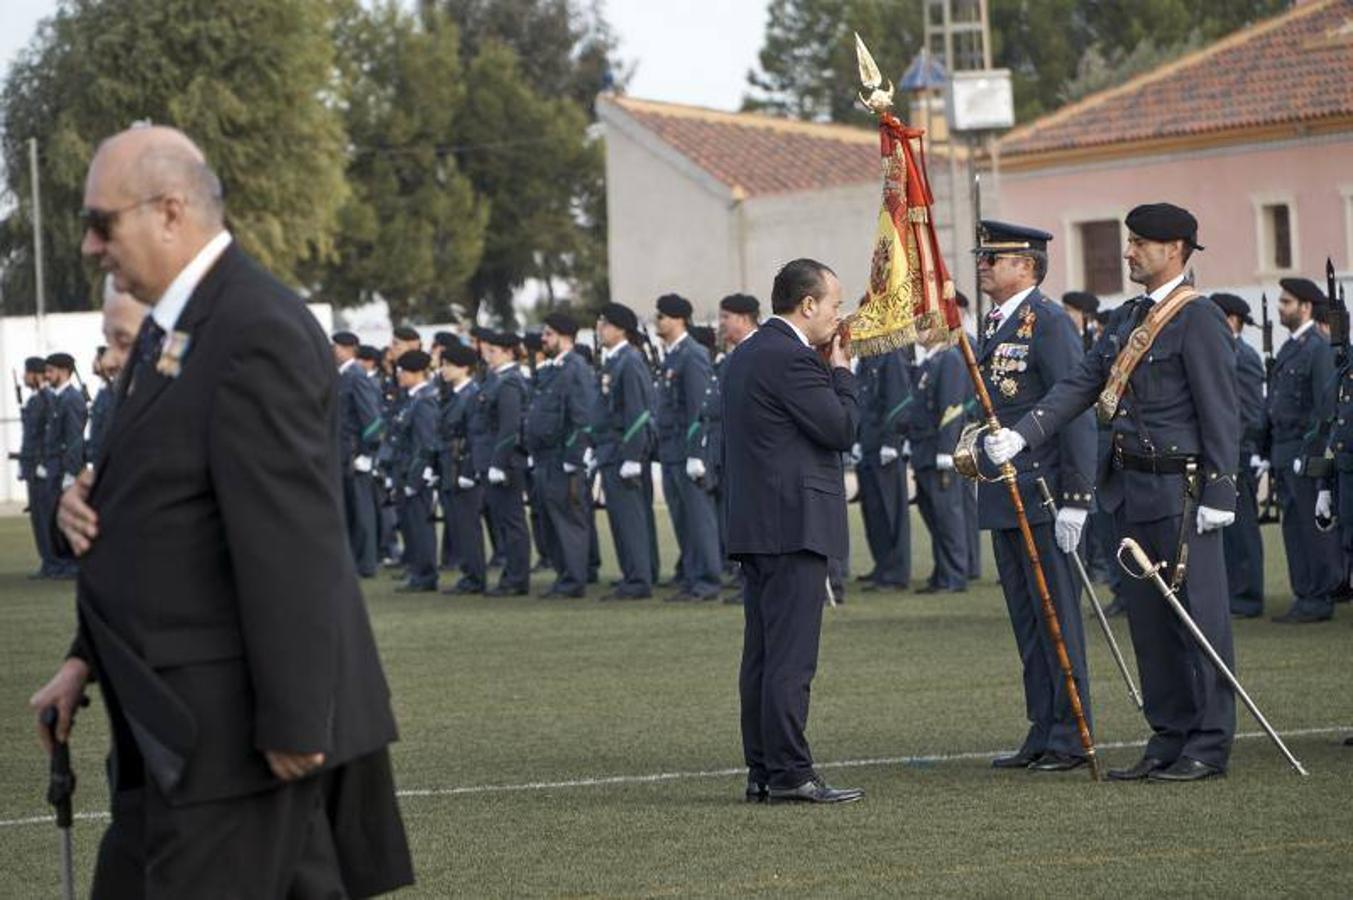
x=63, y=446
x=625, y=441
x=1334, y=501
x=415, y=478
x=935, y=420
x=1299, y=403
x=558, y=440
x=1028, y=344
x=1176, y=439
x=360, y=427
x=462, y=490
x=682, y=383
x=32, y=461
x=739, y=317
x=501, y=459
x=885, y=395
x=1241, y=541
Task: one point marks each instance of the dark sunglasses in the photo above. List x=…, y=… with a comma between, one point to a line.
x=990, y=256
x=103, y=221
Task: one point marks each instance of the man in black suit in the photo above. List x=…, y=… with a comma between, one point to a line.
x=788, y=417
x=218, y=605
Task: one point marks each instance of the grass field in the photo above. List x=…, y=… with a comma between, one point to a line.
x=502, y=701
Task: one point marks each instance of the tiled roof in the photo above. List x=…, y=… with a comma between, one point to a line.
x=756, y=154
x=1296, y=67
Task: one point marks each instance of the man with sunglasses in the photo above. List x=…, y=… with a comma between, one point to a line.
x=1027, y=345
x=218, y=604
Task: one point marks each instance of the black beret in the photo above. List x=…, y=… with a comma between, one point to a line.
x=405, y=333
x=444, y=339
x=961, y=299
x=414, y=361
x=674, y=306
x=346, y=339
x=35, y=364
x=742, y=304
x=366, y=351
x=1234, y=306
x=507, y=339
x=61, y=361
x=1164, y=222
x=704, y=335
x=1084, y=301
x=480, y=333
x=621, y=316
x=995, y=237
x=562, y=323
x=533, y=341
x=1304, y=289
x=460, y=355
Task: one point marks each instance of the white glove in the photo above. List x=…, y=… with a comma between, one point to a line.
x=67, y=481
x=589, y=459
x=1296, y=466
x=464, y=483
x=856, y=454
x=40, y=471
x=1210, y=519
x=361, y=464
x=888, y=455
x=906, y=449
x=429, y=476
x=695, y=468
x=944, y=462
x=530, y=461
x=389, y=483
x=630, y=469
x=570, y=468
x=1067, y=528
x=409, y=491
x=1259, y=465
x=1003, y=444
x=1324, y=505
x=497, y=475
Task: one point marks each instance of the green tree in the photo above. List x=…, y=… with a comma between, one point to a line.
x=248, y=80
x=412, y=231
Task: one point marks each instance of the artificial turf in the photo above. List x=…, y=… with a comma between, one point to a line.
x=500, y=701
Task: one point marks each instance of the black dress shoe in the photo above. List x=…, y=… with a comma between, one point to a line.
x=1296, y=616
x=1021, y=760
x=1185, y=769
x=416, y=589
x=680, y=597
x=1052, y=761
x=506, y=591
x=815, y=790
x=1348, y=742
x=1144, y=767
x=757, y=792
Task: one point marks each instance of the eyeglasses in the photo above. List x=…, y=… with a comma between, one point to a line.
x=990, y=256
x=102, y=221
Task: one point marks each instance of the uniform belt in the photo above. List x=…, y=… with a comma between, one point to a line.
x=1152, y=465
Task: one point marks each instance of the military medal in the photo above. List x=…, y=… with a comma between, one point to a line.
x=1026, y=324
x=1009, y=387
x=170, y=363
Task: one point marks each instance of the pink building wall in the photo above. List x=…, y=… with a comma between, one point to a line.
x=1224, y=187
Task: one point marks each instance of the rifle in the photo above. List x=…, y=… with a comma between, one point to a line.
x=80, y=382
x=1338, y=318
x=18, y=387
x=1268, y=512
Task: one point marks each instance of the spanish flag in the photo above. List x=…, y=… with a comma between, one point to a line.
x=911, y=295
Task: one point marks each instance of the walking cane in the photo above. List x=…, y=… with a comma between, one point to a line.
x=1094, y=603
x=60, y=788
x=1152, y=571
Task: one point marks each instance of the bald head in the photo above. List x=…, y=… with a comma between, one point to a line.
x=122, y=316
x=151, y=203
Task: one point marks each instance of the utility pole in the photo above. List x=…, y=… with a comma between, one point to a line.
x=39, y=299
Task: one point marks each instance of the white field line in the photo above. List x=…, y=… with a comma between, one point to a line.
x=659, y=777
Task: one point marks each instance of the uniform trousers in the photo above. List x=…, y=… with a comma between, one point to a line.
x=420, y=537
x=564, y=506
x=628, y=509
x=940, y=497
x=696, y=522
x=40, y=516
x=1314, y=558
x=782, y=623
x=508, y=513
x=887, y=521
x=465, y=508
x=361, y=520
x=1243, y=547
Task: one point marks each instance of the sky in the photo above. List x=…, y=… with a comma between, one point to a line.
x=683, y=51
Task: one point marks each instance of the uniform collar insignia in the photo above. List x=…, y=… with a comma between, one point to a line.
x=175, y=349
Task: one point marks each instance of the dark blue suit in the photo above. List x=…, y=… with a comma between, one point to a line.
x=682, y=385
x=625, y=433
x=1299, y=402
x=558, y=433
x=416, y=451
x=359, y=434
x=463, y=505
x=788, y=418
x=497, y=444
x=936, y=420
x=1241, y=541
x=1181, y=401
x=885, y=398
x=1035, y=347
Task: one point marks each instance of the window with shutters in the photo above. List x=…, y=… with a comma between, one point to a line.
x=1277, y=234
x=1101, y=245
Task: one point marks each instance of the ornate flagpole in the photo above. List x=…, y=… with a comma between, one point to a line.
x=932, y=284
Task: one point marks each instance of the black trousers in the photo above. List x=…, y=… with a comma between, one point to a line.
x=507, y=511
x=564, y=505
x=464, y=509
x=940, y=496
x=39, y=515
x=782, y=614
x=1314, y=558
x=420, y=536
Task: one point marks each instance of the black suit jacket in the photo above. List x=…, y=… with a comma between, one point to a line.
x=219, y=605
x=788, y=417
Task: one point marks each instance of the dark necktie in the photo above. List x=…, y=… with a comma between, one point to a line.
x=147, y=352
